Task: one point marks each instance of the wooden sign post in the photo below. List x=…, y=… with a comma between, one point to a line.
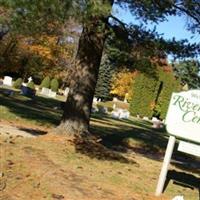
x=182, y=121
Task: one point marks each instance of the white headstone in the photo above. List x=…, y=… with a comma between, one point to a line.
x=156, y=123
x=66, y=91
x=145, y=118
x=52, y=94
x=103, y=109
x=115, y=114
x=45, y=91
x=7, y=80
x=94, y=109
x=178, y=197
x=126, y=98
x=115, y=99
x=124, y=114
x=95, y=101
x=120, y=114
x=30, y=79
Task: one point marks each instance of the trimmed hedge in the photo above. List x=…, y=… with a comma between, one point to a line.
x=54, y=85
x=151, y=95
x=45, y=82
x=31, y=85
x=143, y=95
x=18, y=83
x=170, y=84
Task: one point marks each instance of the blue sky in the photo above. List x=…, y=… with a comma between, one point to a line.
x=174, y=27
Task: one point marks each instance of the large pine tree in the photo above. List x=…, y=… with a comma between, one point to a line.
x=95, y=15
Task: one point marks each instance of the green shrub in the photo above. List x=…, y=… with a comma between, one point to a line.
x=31, y=85
x=18, y=83
x=144, y=91
x=170, y=84
x=45, y=82
x=54, y=85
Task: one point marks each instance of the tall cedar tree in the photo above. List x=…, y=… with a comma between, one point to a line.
x=106, y=72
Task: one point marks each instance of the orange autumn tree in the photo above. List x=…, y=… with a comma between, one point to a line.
x=36, y=56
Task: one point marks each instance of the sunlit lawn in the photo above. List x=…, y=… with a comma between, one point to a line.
x=133, y=139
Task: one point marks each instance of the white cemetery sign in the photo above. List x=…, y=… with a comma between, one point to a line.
x=183, y=117
x=183, y=122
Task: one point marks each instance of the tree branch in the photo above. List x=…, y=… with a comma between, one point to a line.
x=188, y=13
x=119, y=21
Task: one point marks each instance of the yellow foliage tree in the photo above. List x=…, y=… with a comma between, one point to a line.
x=122, y=82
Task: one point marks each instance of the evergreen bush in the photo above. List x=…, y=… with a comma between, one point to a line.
x=103, y=86
x=143, y=95
x=151, y=94
x=31, y=85
x=45, y=82
x=170, y=84
x=18, y=83
x=54, y=85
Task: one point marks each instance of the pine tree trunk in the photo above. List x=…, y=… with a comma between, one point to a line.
x=76, y=116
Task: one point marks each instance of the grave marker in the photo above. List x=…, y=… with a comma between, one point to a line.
x=7, y=80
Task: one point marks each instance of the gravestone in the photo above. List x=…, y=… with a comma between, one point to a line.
x=48, y=92
x=103, y=109
x=95, y=101
x=52, y=94
x=66, y=91
x=45, y=91
x=28, y=91
x=7, y=81
x=95, y=109
x=120, y=114
x=115, y=99
x=30, y=79
x=145, y=118
x=156, y=123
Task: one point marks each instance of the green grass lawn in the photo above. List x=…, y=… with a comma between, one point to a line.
x=128, y=140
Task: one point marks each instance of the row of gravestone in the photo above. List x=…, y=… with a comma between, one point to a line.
x=118, y=113
x=156, y=123
x=48, y=92
x=45, y=91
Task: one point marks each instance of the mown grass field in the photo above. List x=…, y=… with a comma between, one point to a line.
x=124, y=164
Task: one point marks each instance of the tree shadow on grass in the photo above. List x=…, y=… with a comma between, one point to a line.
x=34, y=132
x=145, y=141
x=110, y=144
x=39, y=109
x=91, y=147
x=123, y=139
x=183, y=179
